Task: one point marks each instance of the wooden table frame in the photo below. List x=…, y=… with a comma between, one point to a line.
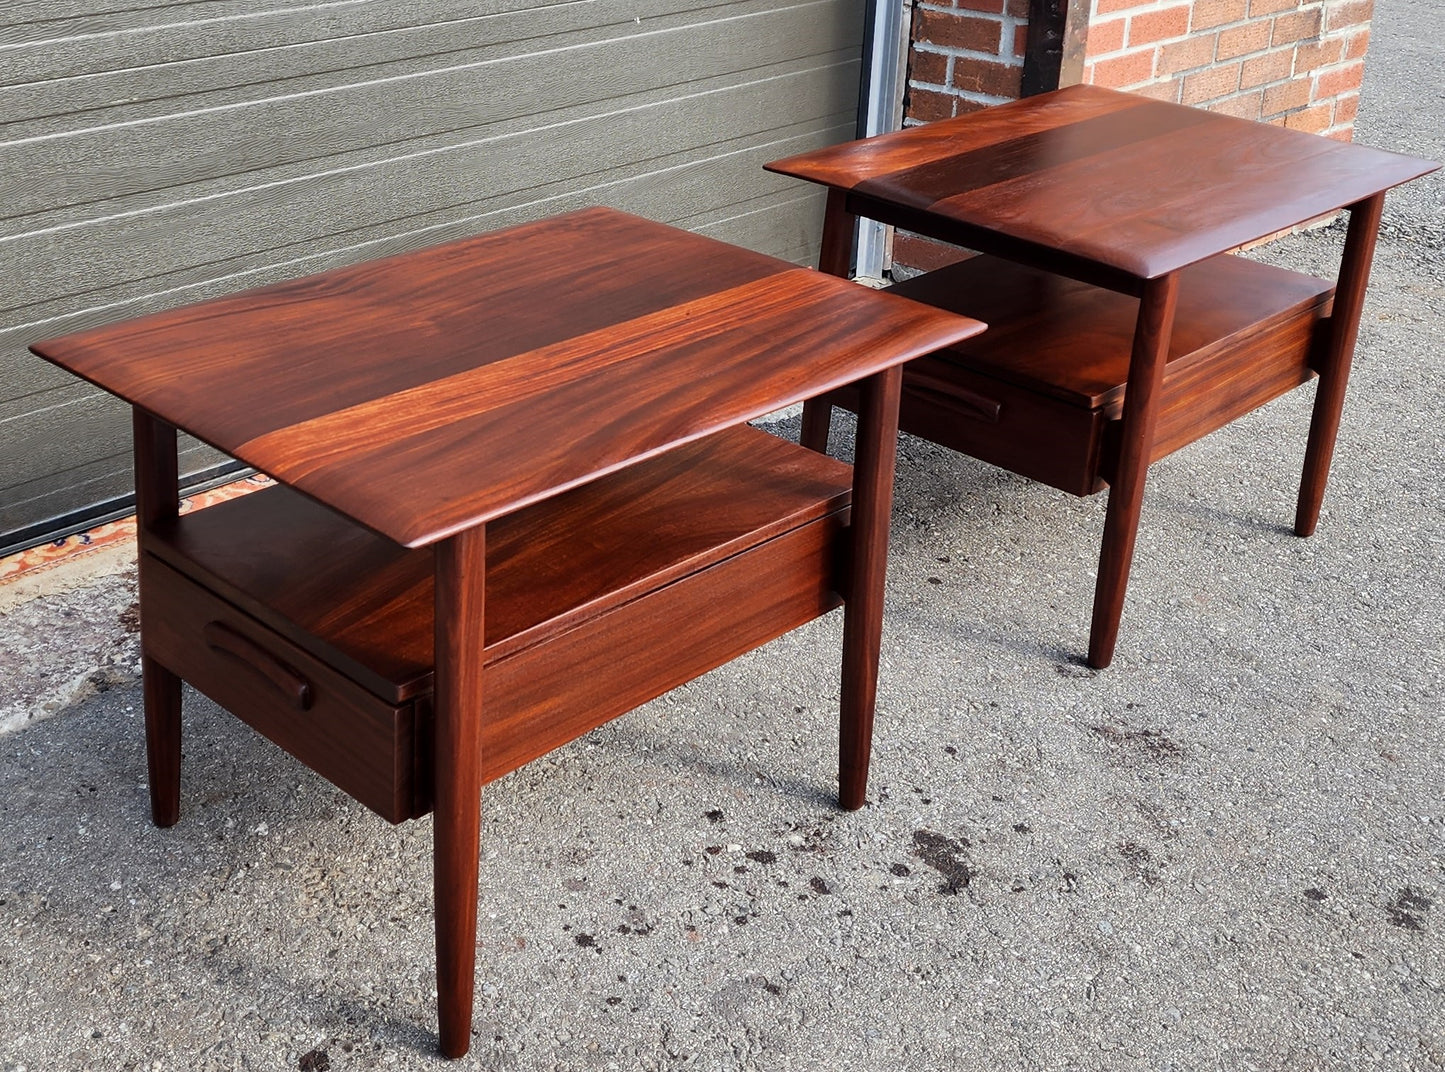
x=1157, y=300
x=458, y=543
x=861, y=184
x=459, y=691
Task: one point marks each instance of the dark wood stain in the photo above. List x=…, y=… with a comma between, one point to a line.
x=1133, y=205
x=365, y=604
x=227, y=370
x=1119, y=330
x=591, y=523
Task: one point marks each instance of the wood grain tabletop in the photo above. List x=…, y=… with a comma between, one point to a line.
x=428, y=392
x=1119, y=180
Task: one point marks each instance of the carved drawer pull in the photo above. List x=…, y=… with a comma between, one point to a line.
x=979, y=407
x=222, y=638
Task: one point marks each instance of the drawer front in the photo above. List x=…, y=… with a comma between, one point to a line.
x=1028, y=433
x=363, y=745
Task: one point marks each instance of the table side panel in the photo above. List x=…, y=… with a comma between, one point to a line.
x=1040, y=393
x=536, y=699
x=1021, y=430
x=1072, y=341
x=950, y=400
x=1252, y=369
x=549, y=694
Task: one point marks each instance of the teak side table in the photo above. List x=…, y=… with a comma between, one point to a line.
x=1120, y=329
x=517, y=497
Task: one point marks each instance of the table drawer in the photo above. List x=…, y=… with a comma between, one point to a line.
x=359, y=742
x=1026, y=432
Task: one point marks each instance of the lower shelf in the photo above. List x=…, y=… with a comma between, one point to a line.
x=319, y=633
x=1041, y=391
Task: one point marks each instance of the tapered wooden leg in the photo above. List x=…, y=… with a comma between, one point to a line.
x=835, y=257
x=873, y=463
x=161, y=691
x=157, y=494
x=457, y=699
x=817, y=419
x=1339, y=352
x=1126, y=490
x=835, y=252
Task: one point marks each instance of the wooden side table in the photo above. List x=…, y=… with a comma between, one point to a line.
x=1120, y=328
x=517, y=497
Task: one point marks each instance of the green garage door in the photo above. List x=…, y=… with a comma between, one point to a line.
x=154, y=154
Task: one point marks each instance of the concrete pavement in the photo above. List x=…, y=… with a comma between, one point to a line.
x=1227, y=851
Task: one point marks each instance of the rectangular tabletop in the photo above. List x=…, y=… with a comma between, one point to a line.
x=428, y=392
x=1133, y=184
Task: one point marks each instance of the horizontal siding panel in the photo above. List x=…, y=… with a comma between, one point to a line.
x=791, y=227
x=196, y=235
x=236, y=145
x=687, y=184
x=90, y=84
x=17, y=407
x=98, y=43
x=89, y=420
x=96, y=481
x=28, y=19
x=571, y=127
x=166, y=198
x=109, y=162
x=30, y=450
x=62, y=492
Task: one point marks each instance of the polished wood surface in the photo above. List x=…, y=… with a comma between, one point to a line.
x=457, y=715
x=867, y=566
x=157, y=501
x=1102, y=177
x=549, y=694
x=503, y=368
x=649, y=608
x=1126, y=492
x=1042, y=391
x=1072, y=341
x=365, y=605
x=1099, y=199
x=360, y=742
x=835, y=257
x=514, y=504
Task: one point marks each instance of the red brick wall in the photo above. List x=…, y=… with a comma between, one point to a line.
x=1294, y=62
x=965, y=55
